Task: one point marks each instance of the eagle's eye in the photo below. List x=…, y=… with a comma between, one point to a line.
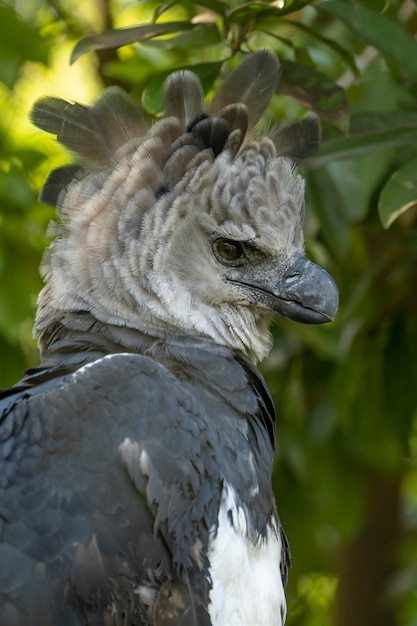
x=229, y=250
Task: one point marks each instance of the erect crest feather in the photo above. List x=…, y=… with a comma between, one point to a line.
x=252, y=83
x=299, y=139
x=114, y=127
x=95, y=132
x=183, y=97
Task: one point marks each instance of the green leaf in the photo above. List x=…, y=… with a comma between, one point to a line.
x=352, y=147
x=15, y=192
x=328, y=204
x=152, y=94
x=202, y=36
x=399, y=375
x=313, y=90
x=118, y=37
x=19, y=42
x=349, y=175
x=399, y=194
x=12, y=362
x=260, y=10
x=375, y=122
x=377, y=30
x=215, y=5
x=347, y=57
x=267, y=27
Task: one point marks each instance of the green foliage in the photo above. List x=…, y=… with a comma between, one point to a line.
x=377, y=30
x=125, y=36
x=399, y=193
x=346, y=394
x=19, y=42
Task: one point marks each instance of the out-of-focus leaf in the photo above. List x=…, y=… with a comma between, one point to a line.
x=11, y=362
x=260, y=10
x=352, y=147
x=328, y=204
x=399, y=194
x=313, y=90
x=203, y=35
x=19, y=42
x=152, y=94
x=15, y=192
x=377, y=30
x=375, y=122
x=295, y=5
x=131, y=72
x=399, y=374
x=164, y=7
x=303, y=57
x=352, y=174
x=19, y=278
x=118, y=37
x=267, y=28
x=25, y=159
x=345, y=55
x=215, y=5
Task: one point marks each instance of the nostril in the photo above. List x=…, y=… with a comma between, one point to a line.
x=292, y=278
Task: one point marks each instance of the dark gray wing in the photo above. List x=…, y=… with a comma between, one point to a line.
x=100, y=507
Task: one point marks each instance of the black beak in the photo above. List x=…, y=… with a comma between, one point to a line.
x=295, y=288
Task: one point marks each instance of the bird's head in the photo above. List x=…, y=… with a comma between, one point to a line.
x=188, y=227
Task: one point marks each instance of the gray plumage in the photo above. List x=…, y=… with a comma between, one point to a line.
x=251, y=84
x=298, y=140
x=144, y=442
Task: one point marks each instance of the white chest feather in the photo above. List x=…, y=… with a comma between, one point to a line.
x=247, y=588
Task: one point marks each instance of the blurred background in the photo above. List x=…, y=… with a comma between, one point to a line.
x=346, y=393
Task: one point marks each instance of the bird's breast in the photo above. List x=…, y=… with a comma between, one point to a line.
x=247, y=588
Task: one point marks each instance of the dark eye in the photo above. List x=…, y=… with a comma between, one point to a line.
x=229, y=250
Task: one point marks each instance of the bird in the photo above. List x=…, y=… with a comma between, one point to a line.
x=136, y=458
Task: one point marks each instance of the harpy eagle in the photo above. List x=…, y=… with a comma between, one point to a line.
x=136, y=460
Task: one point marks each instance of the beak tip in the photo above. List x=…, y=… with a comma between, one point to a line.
x=316, y=296
x=331, y=298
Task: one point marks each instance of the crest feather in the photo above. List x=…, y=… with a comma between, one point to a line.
x=113, y=130
x=95, y=132
x=73, y=125
x=57, y=181
x=183, y=97
x=298, y=140
x=252, y=83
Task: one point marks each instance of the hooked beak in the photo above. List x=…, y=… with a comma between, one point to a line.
x=295, y=288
